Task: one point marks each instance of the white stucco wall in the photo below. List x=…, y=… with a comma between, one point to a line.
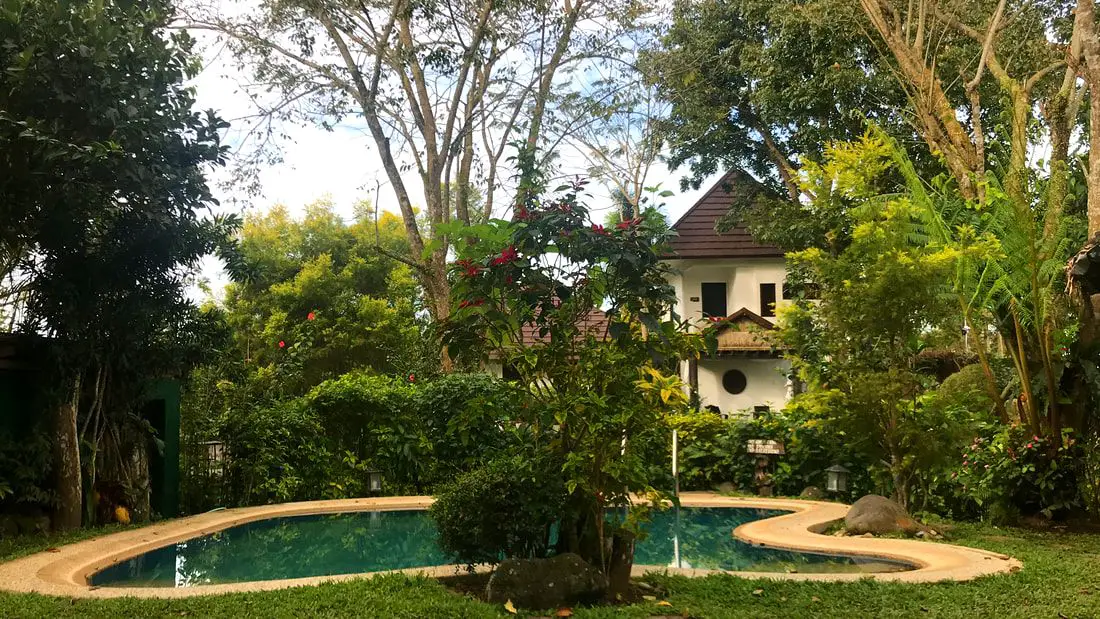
x=765, y=385
x=742, y=278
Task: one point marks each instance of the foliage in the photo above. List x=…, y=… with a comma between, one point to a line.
x=319, y=296
x=1007, y=472
x=580, y=312
x=275, y=454
x=505, y=509
x=417, y=433
x=715, y=450
x=760, y=86
x=105, y=210
x=467, y=419
x=881, y=297
x=373, y=419
x=24, y=470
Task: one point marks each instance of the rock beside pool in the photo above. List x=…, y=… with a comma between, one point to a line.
x=879, y=515
x=563, y=580
x=812, y=492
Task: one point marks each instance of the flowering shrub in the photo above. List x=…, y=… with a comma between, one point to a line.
x=582, y=313
x=1009, y=472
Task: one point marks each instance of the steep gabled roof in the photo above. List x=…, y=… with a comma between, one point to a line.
x=697, y=236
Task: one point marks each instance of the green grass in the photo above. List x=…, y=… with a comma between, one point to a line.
x=1061, y=578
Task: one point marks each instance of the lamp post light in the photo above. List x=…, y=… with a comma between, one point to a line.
x=374, y=481
x=675, y=463
x=836, y=479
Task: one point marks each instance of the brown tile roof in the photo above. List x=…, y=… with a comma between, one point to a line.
x=593, y=323
x=697, y=236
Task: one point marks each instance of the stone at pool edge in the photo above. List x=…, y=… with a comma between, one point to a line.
x=879, y=515
x=562, y=580
x=812, y=492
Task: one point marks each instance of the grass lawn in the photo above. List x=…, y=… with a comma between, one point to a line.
x=1061, y=578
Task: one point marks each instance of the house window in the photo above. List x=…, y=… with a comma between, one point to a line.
x=734, y=381
x=508, y=372
x=714, y=300
x=767, y=300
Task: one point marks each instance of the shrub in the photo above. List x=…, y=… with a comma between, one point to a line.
x=274, y=454
x=1008, y=472
x=374, y=418
x=24, y=470
x=713, y=450
x=504, y=509
x=467, y=421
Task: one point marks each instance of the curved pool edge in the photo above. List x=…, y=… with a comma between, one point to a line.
x=64, y=571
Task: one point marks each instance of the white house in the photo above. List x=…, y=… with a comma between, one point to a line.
x=730, y=278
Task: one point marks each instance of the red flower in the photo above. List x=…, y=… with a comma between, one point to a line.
x=464, y=305
x=624, y=225
x=508, y=255
x=1029, y=445
x=522, y=213
x=310, y=316
x=282, y=344
x=412, y=378
x=472, y=271
x=598, y=229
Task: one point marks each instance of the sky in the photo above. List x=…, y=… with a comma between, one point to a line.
x=340, y=164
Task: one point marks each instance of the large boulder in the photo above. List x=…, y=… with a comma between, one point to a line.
x=879, y=515
x=563, y=580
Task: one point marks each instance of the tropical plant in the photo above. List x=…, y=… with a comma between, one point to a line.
x=581, y=314
x=105, y=211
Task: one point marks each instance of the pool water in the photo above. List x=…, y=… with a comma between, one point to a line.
x=358, y=542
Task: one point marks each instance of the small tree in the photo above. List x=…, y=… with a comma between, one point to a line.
x=882, y=299
x=582, y=314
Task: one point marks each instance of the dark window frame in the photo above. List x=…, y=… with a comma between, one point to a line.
x=716, y=301
x=767, y=300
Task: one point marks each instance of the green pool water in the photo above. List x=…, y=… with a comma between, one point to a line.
x=357, y=542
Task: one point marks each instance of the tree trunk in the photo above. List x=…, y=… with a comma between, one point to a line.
x=67, y=463
x=620, y=564
x=1085, y=24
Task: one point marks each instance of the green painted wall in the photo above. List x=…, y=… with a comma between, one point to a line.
x=163, y=412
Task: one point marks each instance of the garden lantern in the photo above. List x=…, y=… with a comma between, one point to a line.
x=374, y=481
x=215, y=456
x=836, y=478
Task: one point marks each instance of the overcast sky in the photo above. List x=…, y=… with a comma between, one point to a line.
x=340, y=164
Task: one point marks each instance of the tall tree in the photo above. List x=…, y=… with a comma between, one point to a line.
x=102, y=167
x=442, y=88
x=761, y=85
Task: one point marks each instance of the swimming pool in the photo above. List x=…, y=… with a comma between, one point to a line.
x=370, y=541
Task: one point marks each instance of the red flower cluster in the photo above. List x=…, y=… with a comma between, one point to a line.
x=629, y=223
x=282, y=344
x=506, y=256
x=598, y=229
x=522, y=213
x=471, y=269
x=412, y=378
x=310, y=316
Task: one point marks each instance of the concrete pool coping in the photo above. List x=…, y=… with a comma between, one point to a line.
x=64, y=571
